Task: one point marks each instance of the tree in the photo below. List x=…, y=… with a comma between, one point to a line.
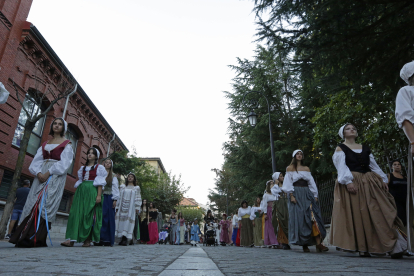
x=165, y=190
x=43, y=103
x=190, y=213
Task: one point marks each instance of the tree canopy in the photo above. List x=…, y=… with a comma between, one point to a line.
x=321, y=64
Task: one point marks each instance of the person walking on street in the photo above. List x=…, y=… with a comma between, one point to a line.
x=270, y=239
x=364, y=215
x=235, y=223
x=306, y=225
x=128, y=206
x=256, y=217
x=280, y=219
x=50, y=166
x=19, y=201
x=85, y=217
x=245, y=225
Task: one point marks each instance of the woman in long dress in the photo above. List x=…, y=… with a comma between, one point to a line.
x=85, y=217
x=404, y=114
x=364, y=215
x=306, y=225
x=128, y=206
x=397, y=185
x=224, y=233
x=256, y=218
x=245, y=225
x=270, y=239
x=280, y=219
x=111, y=195
x=143, y=227
x=173, y=228
x=51, y=163
x=152, y=225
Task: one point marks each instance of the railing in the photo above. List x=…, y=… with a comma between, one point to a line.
x=326, y=197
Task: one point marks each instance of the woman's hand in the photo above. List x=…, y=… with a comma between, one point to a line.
x=316, y=199
x=240, y=224
x=293, y=199
x=98, y=199
x=265, y=216
x=385, y=186
x=114, y=204
x=351, y=188
x=253, y=223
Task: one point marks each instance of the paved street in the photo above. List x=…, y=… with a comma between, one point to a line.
x=166, y=260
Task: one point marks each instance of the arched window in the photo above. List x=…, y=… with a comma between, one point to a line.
x=35, y=137
x=73, y=137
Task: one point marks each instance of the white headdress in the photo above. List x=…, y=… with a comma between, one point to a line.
x=65, y=125
x=276, y=175
x=296, y=151
x=341, y=130
x=97, y=152
x=407, y=71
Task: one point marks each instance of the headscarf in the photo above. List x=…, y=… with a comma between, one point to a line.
x=296, y=151
x=407, y=71
x=97, y=152
x=341, y=130
x=276, y=175
x=65, y=125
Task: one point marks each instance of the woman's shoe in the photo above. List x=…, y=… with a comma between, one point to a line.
x=364, y=254
x=86, y=244
x=397, y=255
x=286, y=246
x=67, y=243
x=306, y=249
x=321, y=248
x=131, y=242
x=100, y=243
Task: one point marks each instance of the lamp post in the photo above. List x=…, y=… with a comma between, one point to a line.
x=253, y=121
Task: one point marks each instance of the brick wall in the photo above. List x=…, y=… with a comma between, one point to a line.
x=27, y=59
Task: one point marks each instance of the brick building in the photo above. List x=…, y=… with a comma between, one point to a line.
x=27, y=58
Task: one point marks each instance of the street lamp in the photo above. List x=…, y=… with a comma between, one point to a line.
x=253, y=121
x=252, y=118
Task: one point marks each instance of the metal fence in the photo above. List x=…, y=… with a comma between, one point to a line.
x=326, y=189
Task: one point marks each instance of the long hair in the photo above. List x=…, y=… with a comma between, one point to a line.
x=95, y=152
x=294, y=162
x=52, y=133
x=268, y=183
x=153, y=205
x=258, y=204
x=180, y=215
x=110, y=177
x=134, y=182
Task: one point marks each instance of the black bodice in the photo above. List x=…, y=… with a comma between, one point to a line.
x=357, y=162
x=153, y=215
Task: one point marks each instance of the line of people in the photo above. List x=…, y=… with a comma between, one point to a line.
x=368, y=215
x=101, y=211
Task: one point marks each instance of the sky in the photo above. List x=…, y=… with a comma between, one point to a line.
x=156, y=70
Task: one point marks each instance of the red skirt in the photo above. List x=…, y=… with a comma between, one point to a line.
x=238, y=237
x=153, y=232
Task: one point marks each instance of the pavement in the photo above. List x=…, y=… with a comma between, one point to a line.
x=167, y=260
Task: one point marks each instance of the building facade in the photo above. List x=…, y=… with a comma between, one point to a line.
x=155, y=163
x=28, y=60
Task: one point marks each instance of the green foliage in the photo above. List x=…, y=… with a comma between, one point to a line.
x=165, y=190
x=325, y=63
x=190, y=213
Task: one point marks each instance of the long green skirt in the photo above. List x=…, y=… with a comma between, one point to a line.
x=85, y=217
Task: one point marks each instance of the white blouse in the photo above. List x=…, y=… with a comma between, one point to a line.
x=126, y=191
x=234, y=220
x=404, y=105
x=276, y=191
x=344, y=174
x=268, y=198
x=115, y=189
x=293, y=176
x=100, y=179
x=255, y=209
x=59, y=168
x=244, y=211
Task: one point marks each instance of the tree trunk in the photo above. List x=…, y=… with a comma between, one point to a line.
x=8, y=208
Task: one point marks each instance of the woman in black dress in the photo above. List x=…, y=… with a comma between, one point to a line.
x=143, y=228
x=397, y=185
